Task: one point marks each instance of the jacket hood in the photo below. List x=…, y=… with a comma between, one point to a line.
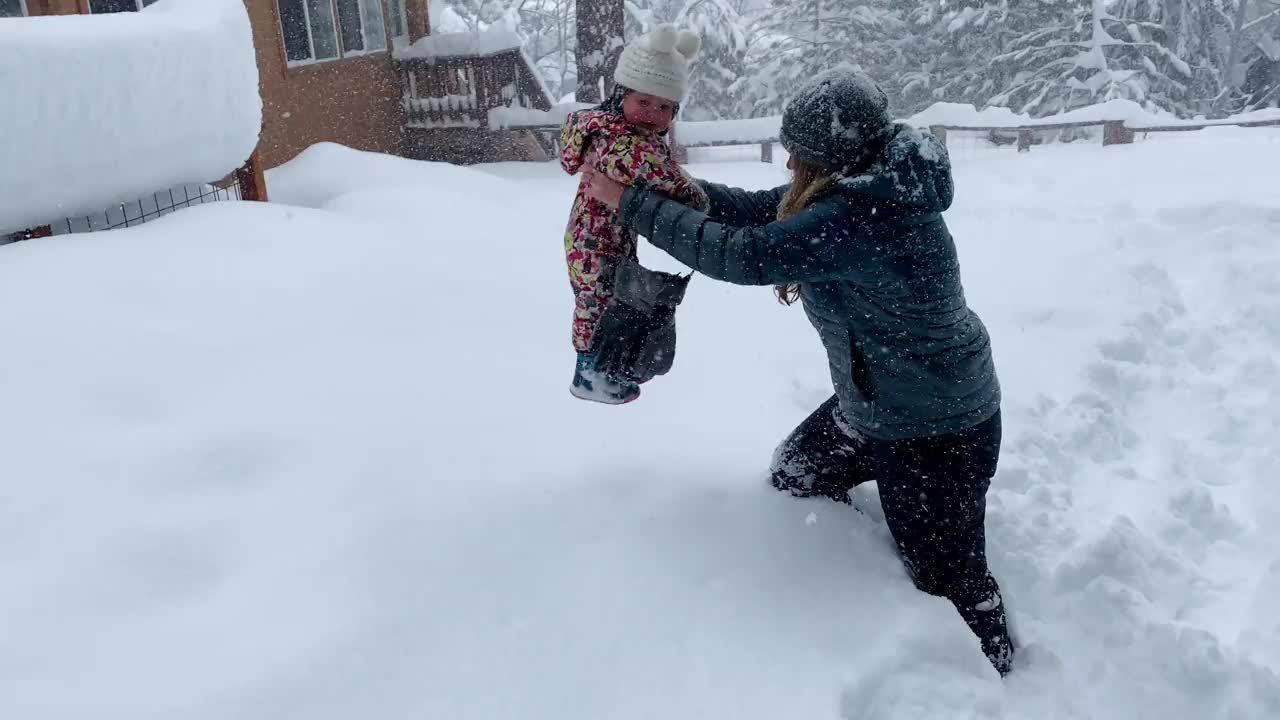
x=913, y=170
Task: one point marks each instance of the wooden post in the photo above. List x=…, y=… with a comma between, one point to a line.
x=419, y=19
x=679, y=153
x=600, y=37
x=766, y=152
x=939, y=132
x=1024, y=139
x=252, y=182
x=1115, y=133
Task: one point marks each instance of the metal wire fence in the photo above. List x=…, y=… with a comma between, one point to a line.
x=143, y=209
x=245, y=183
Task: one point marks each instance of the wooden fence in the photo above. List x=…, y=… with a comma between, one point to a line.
x=459, y=91
x=1114, y=132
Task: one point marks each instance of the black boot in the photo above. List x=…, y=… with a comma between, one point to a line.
x=987, y=620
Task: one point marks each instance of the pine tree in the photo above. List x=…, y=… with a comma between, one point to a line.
x=1151, y=45
x=948, y=56
x=548, y=30
x=1080, y=53
x=796, y=39
x=1260, y=79
x=1200, y=34
x=1252, y=43
x=722, y=60
x=600, y=41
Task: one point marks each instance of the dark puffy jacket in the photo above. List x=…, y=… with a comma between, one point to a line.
x=879, y=278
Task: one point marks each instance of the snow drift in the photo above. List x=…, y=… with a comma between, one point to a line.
x=103, y=108
x=261, y=460
x=1131, y=113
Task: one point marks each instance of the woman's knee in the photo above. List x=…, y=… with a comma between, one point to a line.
x=818, y=457
x=960, y=580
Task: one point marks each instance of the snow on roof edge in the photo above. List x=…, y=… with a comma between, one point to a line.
x=462, y=44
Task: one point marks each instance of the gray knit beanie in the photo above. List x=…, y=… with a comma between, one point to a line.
x=838, y=121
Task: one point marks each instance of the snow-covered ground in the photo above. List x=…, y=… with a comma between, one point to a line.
x=318, y=459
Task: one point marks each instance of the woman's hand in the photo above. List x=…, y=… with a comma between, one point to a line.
x=606, y=190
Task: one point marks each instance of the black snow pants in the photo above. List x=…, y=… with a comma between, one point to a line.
x=933, y=491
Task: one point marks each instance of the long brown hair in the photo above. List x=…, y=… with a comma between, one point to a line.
x=807, y=182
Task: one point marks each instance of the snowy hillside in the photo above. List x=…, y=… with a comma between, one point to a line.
x=318, y=459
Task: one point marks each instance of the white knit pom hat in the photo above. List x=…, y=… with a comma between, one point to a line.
x=658, y=63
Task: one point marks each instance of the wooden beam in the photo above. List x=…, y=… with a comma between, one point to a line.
x=252, y=181
x=419, y=19
x=1115, y=133
x=32, y=233
x=1024, y=140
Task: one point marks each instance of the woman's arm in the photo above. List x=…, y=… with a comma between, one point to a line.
x=810, y=246
x=736, y=206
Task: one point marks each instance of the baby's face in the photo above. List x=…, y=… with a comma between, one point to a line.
x=648, y=111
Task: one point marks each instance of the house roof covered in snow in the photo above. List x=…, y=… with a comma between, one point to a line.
x=465, y=44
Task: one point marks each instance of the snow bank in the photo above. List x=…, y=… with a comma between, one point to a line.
x=470, y=44
x=962, y=115
x=325, y=171
x=104, y=108
x=518, y=117
x=1267, y=115
x=324, y=464
x=1134, y=116
x=711, y=132
x=1119, y=109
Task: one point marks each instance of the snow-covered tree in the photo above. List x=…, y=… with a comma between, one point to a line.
x=722, y=61
x=600, y=41
x=550, y=39
x=1199, y=32
x=795, y=39
x=1039, y=56
x=1082, y=52
x=947, y=51
x=1253, y=43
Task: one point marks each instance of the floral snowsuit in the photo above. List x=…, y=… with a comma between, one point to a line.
x=625, y=153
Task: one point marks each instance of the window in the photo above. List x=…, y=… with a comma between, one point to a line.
x=317, y=30
x=363, y=29
x=114, y=6
x=13, y=8
x=308, y=30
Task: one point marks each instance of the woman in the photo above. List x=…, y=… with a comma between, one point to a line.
x=858, y=236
